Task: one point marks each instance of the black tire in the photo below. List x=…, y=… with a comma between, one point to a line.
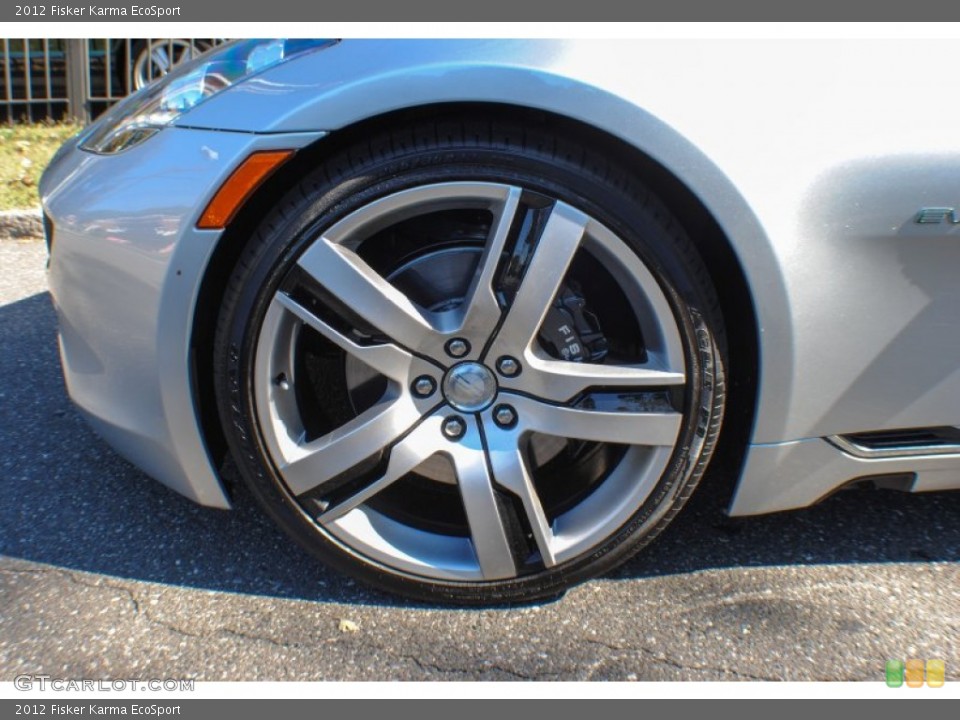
x=539, y=160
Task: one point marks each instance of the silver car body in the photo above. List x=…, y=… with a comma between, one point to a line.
x=813, y=157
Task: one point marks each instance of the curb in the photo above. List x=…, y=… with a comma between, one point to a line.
x=21, y=224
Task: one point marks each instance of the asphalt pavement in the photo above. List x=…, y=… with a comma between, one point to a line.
x=104, y=573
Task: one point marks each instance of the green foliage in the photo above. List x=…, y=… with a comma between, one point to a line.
x=25, y=151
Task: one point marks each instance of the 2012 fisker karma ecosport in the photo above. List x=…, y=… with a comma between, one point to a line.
x=472, y=317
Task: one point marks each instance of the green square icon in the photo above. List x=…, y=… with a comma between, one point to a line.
x=894, y=673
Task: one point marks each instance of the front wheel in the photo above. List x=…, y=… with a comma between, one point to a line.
x=471, y=363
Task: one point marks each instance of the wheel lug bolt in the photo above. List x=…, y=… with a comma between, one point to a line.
x=505, y=416
x=454, y=427
x=424, y=386
x=508, y=366
x=458, y=347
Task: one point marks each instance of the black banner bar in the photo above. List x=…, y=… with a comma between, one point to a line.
x=466, y=708
x=488, y=11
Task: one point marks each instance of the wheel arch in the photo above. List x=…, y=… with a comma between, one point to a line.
x=728, y=273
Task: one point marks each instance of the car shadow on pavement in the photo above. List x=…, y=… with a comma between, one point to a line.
x=69, y=501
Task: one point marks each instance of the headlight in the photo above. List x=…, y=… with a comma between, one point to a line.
x=156, y=106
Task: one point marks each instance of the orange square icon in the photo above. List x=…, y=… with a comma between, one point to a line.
x=914, y=673
x=936, y=672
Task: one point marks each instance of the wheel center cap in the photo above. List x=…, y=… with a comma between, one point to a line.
x=469, y=387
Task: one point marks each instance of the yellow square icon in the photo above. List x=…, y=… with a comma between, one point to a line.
x=936, y=672
x=914, y=673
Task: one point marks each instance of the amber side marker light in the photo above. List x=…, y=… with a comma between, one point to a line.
x=239, y=186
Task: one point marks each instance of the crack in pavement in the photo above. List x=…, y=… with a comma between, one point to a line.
x=76, y=579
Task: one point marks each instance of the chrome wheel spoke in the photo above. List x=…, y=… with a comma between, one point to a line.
x=421, y=443
x=561, y=380
x=487, y=530
x=386, y=359
x=510, y=472
x=344, y=274
x=315, y=462
x=558, y=243
x=482, y=311
x=161, y=59
x=626, y=427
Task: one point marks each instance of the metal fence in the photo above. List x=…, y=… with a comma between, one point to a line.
x=50, y=79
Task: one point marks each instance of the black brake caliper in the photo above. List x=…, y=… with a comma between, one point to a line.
x=570, y=331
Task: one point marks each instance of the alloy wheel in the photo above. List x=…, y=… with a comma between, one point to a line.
x=510, y=390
